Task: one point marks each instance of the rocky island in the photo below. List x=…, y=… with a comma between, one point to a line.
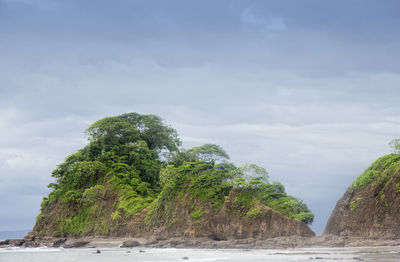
x=370, y=208
x=133, y=181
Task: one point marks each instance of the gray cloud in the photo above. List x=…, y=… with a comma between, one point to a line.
x=305, y=89
x=274, y=23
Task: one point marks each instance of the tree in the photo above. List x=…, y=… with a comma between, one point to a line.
x=252, y=172
x=132, y=127
x=124, y=151
x=208, y=153
x=395, y=145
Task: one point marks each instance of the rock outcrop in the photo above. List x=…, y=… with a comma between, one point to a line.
x=120, y=186
x=370, y=208
x=231, y=221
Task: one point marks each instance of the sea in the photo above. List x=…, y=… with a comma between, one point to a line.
x=43, y=254
x=13, y=234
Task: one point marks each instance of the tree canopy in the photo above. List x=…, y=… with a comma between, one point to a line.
x=208, y=152
x=132, y=127
x=252, y=172
x=395, y=145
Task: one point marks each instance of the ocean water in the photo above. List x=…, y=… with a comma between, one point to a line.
x=169, y=254
x=13, y=234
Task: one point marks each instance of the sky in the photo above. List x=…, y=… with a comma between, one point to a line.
x=307, y=89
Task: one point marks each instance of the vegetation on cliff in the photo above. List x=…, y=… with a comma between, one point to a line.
x=383, y=167
x=133, y=162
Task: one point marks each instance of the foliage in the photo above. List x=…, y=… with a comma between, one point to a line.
x=72, y=196
x=382, y=167
x=92, y=194
x=205, y=181
x=210, y=182
x=274, y=196
x=398, y=187
x=252, y=172
x=197, y=214
x=208, y=153
x=135, y=194
x=253, y=212
x=115, y=215
x=306, y=217
x=354, y=203
x=395, y=145
x=132, y=127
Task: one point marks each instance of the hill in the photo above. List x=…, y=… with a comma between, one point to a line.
x=134, y=180
x=370, y=207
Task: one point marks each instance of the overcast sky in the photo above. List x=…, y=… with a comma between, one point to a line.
x=307, y=89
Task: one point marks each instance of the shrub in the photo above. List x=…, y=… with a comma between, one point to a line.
x=197, y=214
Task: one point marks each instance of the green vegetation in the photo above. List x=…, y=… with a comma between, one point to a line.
x=254, y=212
x=123, y=155
x=382, y=168
x=193, y=182
x=395, y=145
x=398, y=187
x=274, y=196
x=354, y=204
x=382, y=175
x=133, y=161
x=203, y=181
x=197, y=214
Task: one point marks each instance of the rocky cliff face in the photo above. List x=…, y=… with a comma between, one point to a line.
x=370, y=207
x=232, y=221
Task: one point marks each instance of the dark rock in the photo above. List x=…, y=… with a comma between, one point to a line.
x=130, y=243
x=32, y=244
x=217, y=237
x=12, y=243
x=175, y=243
x=5, y=243
x=17, y=242
x=59, y=242
x=75, y=244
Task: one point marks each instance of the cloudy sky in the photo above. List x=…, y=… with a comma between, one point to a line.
x=308, y=89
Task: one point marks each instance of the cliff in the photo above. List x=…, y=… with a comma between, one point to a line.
x=370, y=207
x=233, y=220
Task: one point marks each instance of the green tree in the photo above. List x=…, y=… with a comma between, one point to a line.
x=395, y=145
x=252, y=172
x=132, y=127
x=208, y=153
